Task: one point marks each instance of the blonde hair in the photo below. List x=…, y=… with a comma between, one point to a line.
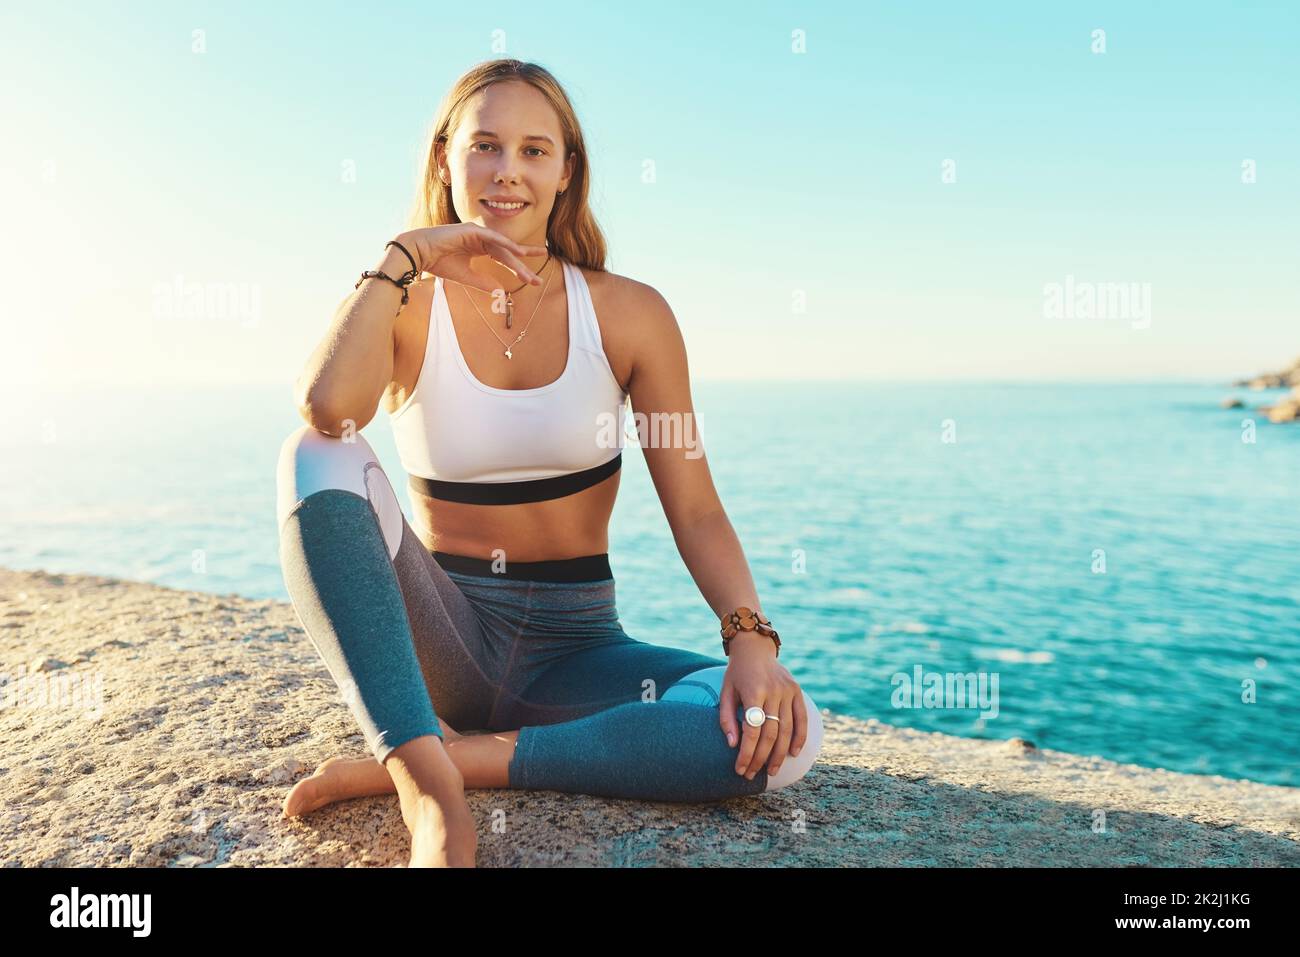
x=571, y=230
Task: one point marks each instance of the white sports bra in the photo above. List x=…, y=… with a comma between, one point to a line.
x=462, y=440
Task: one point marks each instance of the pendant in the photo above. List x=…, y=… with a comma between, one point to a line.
x=508, y=356
x=510, y=311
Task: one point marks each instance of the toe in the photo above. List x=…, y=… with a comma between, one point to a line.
x=307, y=795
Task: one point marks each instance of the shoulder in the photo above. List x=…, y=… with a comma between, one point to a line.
x=623, y=288
x=637, y=308
x=637, y=325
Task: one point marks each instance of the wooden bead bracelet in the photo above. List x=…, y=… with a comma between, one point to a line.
x=745, y=619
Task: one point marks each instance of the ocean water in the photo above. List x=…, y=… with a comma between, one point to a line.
x=1121, y=560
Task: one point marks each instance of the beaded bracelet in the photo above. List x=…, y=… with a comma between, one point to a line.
x=406, y=279
x=402, y=284
x=744, y=619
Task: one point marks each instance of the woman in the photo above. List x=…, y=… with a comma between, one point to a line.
x=505, y=377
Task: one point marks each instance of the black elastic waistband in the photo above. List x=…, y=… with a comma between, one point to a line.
x=583, y=568
x=514, y=493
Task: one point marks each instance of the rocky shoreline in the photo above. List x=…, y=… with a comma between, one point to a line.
x=1287, y=408
x=160, y=727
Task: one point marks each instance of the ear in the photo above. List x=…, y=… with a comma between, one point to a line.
x=440, y=162
x=569, y=165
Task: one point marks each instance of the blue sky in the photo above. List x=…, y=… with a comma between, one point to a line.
x=132, y=160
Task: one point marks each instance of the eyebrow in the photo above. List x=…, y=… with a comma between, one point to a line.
x=532, y=136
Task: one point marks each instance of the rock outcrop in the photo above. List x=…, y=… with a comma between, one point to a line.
x=161, y=727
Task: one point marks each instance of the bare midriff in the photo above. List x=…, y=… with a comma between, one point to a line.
x=567, y=527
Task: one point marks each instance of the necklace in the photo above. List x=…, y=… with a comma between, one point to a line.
x=508, y=353
x=510, y=302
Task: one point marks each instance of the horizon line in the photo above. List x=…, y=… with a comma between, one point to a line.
x=1225, y=382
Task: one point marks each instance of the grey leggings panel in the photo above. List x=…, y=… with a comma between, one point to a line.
x=406, y=640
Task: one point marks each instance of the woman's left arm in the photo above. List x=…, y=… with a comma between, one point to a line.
x=670, y=440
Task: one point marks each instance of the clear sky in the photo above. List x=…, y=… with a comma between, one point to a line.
x=784, y=174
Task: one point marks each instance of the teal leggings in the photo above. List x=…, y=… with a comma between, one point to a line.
x=537, y=647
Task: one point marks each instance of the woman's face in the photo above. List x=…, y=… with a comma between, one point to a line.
x=508, y=146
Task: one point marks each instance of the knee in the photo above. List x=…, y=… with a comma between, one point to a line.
x=796, y=766
x=311, y=461
x=705, y=687
x=313, y=447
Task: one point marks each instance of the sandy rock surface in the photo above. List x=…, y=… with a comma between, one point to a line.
x=146, y=726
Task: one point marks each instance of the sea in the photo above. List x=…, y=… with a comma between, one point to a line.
x=1101, y=568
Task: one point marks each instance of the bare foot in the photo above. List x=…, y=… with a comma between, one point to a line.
x=323, y=787
x=340, y=778
x=442, y=827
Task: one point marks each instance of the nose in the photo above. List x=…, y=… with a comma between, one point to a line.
x=507, y=172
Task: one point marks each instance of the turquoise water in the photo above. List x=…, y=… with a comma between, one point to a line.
x=878, y=547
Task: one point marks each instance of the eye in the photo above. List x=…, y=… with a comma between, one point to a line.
x=475, y=147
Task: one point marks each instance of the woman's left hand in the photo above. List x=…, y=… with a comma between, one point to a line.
x=754, y=677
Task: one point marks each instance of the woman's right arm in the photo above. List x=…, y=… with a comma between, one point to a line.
x=347, y=375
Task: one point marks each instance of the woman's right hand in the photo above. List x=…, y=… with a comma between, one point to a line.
x=447, y=250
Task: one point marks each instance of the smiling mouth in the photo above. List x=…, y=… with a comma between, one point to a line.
x=503, y=207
